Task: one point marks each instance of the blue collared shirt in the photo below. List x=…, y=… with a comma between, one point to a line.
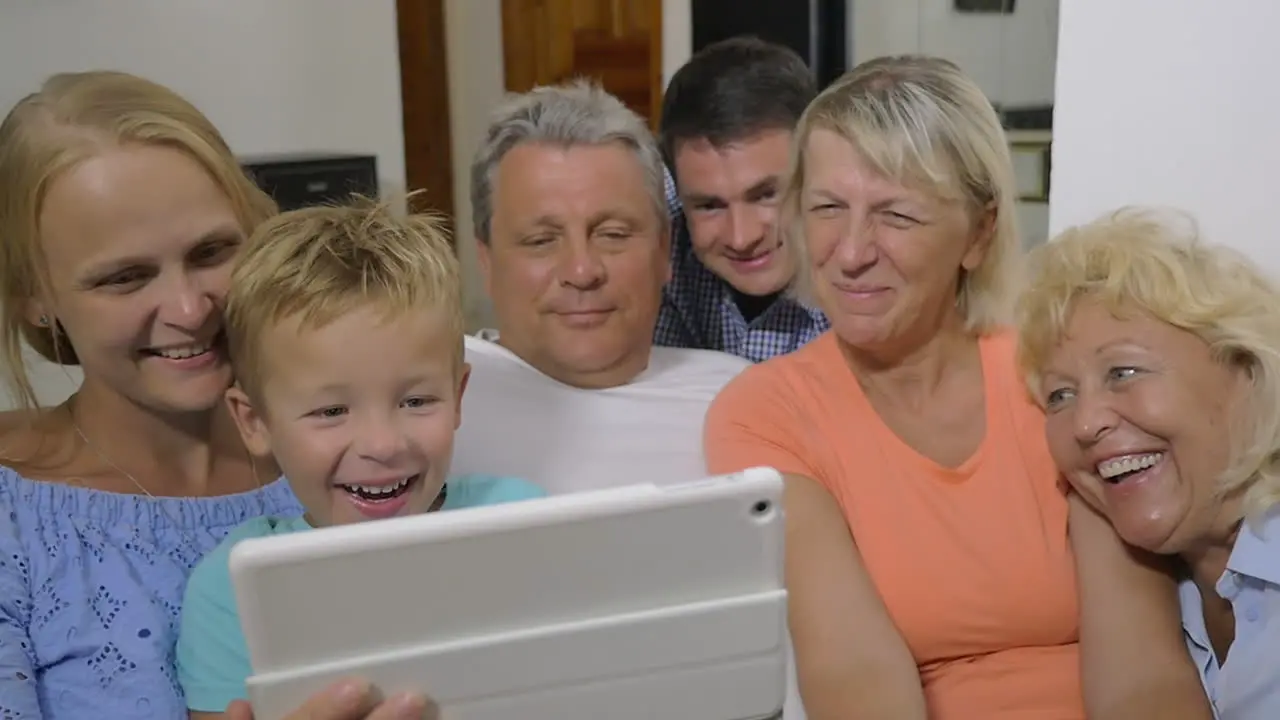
x=1247, y=685
x=698, y=310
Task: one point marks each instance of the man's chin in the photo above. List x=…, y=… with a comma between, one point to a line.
x=608, y=366
x=759, y=287
x=760, y=282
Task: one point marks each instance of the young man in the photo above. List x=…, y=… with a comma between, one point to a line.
x=346, y=337
x=727, y=119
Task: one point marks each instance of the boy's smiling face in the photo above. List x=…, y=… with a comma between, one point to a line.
x=359, y=413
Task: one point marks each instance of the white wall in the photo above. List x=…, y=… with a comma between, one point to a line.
x=677, y=36
x=1010, y=56
x=476, y=84
x=1181, y=111
x=273, y=75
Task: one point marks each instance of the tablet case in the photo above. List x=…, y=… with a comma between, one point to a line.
x=623, y=604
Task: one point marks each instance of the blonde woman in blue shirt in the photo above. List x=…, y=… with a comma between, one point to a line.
x=122, y=209
x=1157, y=359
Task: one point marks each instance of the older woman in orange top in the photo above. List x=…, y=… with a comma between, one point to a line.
x=928, y=560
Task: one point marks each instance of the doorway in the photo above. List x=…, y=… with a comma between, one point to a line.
x=618, y=43
x=424, y=98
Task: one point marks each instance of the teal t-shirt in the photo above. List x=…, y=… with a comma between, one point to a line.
x=212, y=658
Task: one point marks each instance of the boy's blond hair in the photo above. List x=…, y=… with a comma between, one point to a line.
x=319, y=263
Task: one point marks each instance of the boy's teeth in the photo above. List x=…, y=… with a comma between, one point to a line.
x=381, y=490
x=1127, y=464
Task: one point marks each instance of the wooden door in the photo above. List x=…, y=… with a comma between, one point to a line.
x=424, y=99
x=615, y=42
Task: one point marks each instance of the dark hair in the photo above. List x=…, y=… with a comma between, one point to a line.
x=733, y=89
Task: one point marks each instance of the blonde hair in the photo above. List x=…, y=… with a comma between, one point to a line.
x=319, y=263
x=1154, y=263
x=72, y=118
x=921, y=122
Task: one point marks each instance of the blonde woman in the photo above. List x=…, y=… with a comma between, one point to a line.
x=121, y=211
x=928, y=561
x=1157, y=359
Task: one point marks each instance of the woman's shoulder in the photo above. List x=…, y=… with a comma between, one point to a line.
x=20, y=494
x=30, y=439
x=38, y=507
x=13, y=420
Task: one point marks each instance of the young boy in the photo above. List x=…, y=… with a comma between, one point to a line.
x=345, y=330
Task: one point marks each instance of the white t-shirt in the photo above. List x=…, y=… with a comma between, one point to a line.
x=517, y=422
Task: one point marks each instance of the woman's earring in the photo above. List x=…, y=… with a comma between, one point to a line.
x=44, y=321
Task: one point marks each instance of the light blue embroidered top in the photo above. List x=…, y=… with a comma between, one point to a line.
x=213, y=659
x=90, y=589
x=1247, y=686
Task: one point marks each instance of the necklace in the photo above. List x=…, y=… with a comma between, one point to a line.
x=253, y=469
x=190, y=548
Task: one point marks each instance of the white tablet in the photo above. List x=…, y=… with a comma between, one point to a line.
x=638, y=602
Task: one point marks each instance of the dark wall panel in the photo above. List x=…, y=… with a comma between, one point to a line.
x=816, y=29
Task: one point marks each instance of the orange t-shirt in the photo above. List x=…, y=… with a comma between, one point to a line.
x=972, y=562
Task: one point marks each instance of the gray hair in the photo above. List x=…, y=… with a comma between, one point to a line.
x=573, y=114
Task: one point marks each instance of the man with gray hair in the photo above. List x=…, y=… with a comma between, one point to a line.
x=574, y=244
x=574, y=248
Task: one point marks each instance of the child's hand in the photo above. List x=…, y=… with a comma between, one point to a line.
x=350, y=700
